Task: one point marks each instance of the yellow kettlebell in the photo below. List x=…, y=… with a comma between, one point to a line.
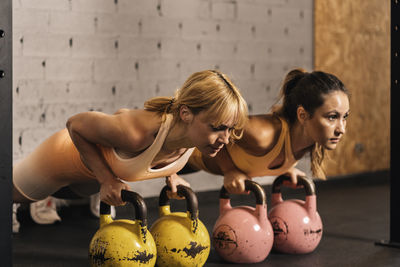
x=123, y=242
x=181, y=238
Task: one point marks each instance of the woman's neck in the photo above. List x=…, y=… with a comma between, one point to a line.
x=300, y=140
x=177, y=137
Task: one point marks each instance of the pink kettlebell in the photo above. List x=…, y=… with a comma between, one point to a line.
x=243, y=234
x=296, y=223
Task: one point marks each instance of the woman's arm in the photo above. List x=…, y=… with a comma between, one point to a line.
x=233, y=177
x=91, y=128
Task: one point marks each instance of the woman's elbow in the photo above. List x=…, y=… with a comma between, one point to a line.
x=72, y=123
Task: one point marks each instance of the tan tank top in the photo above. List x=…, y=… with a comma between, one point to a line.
x=138, y=167
x=255, y=166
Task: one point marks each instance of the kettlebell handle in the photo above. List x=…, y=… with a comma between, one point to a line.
x=192, y=205
x=135, y=199
x=308, y=184
x=251, y=186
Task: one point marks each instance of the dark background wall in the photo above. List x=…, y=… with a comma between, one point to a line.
x=5, y=130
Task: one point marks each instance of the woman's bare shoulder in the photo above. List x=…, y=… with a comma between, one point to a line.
x=140, y=126
x=261, y=133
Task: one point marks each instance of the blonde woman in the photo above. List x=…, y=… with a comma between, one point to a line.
x=99, y=152
x=311, y=119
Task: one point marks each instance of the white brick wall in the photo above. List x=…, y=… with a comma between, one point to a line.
x=72, y=56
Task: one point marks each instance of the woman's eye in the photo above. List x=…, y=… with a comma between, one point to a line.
x=220, y=128
x=214, y=129
x=332, y=117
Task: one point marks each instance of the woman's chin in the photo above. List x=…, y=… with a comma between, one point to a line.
x=212, y=155
x=330, y=146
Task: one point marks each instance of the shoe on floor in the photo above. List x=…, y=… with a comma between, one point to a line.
x=95, y=206
x=44, y=211
x=15, y=225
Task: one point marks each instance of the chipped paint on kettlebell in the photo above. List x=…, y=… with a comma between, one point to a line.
x=140, y=256
x=98, y=251
x=225, y=238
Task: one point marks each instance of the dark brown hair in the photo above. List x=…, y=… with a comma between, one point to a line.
x=307, y=89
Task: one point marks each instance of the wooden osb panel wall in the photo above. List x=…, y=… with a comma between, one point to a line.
x=352, y=41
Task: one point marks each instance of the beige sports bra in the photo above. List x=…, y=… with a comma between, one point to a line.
x=255, y=166
x=138, y=168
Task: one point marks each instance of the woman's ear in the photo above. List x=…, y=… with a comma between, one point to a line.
x=185, y=114
x=302, y=114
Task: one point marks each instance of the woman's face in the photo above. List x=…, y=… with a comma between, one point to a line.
x=208, y=137
x=328, y=123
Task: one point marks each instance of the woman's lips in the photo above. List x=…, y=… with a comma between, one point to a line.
x=216, y=148
x=334, y=140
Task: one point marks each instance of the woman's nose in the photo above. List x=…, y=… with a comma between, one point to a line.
x=224, y=137
x=341, y=127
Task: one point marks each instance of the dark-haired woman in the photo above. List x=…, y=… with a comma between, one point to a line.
x=310, y=119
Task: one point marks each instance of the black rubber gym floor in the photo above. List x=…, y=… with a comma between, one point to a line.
x=354, y=211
